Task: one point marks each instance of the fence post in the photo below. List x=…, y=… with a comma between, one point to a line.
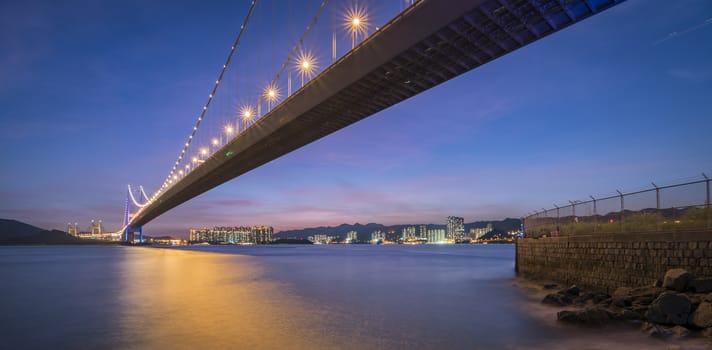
x=573, y=212
x=657, y=205
x=707, y=202
x=558, y=230
x=622, y=209
x=595, y=214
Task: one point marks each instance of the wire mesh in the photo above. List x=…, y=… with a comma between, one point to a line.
x=672, y=208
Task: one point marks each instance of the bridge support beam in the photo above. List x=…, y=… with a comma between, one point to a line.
x=130, y=234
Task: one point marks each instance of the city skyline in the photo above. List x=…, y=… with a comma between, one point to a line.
x=554, y=121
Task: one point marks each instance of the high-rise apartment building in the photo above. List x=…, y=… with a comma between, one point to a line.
x=232, y=235
x=455, y=227
x=436, y=235
x=408, y=233
x=378, y=235
x=351, y=236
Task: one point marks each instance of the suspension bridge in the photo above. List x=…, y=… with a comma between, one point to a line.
x=423, y=45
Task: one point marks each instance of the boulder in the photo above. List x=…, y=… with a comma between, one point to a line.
x=640, y=309
x=669, y=308
x=655, y=331
x=621, y=297
x=700, y=285
x=572, y=291
x=557, y=299
x=680, y=332
x=676, y=279
x=646, y=292
x=584, y=297
x=590, y=317
x=599, y=298
x=625, y=315
x=702, y=316
x=707, y=297
x=707, y=333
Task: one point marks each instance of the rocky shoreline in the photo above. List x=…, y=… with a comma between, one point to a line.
x=678, y=306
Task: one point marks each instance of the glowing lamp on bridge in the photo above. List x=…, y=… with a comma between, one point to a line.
x=195, y=159
x=215, y=142
x=229, y=130
x=204, y=151
x=356, y=23
x=306, y=64
x=271, y=94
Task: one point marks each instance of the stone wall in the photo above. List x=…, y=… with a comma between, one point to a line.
x=606, y=262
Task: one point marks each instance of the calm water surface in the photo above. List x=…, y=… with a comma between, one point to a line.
x=281, y=297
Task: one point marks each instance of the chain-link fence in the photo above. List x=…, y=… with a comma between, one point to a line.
x=672, y=208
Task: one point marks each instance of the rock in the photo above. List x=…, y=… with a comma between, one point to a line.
x=700, y=285
x=646, y=292
x=557, y=299
x=707, y=297
x=702, y=316
x=640, y=309
x=707, y=333
x=586, y=296
x=621, y=297
x=655, y=331
x=626, y=315
x=676, y=279
x=658, y=283
x=551, y=286
x=591, y=317
x=599, y=298
x=572, y=291
x=680, y=332
x=669, y=308
x=695, y=299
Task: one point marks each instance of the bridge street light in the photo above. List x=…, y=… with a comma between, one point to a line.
x=306, y=64
x=246, y=116
x=356, y=22
x=271, y=94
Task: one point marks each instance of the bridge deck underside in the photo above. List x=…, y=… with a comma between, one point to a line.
x=482, y=33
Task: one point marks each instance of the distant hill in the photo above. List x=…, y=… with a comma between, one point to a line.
x=13, y=232
x=364, y=231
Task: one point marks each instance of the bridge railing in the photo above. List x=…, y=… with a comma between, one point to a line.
x=671, y=208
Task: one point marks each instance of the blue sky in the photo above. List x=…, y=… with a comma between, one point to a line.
x=96, y=95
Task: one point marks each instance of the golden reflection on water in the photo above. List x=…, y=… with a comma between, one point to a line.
x=180, y=299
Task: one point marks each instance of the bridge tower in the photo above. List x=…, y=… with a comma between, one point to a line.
x=131, y=230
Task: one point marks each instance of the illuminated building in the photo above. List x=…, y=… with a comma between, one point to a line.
x=351, y=236
x=477, y=233
x=261, y=234
x=321, y=239
x=377, y=236
x=423, y=232
x=408, y=233
x=455, y=227
x=232, y=235
x=436, y=235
